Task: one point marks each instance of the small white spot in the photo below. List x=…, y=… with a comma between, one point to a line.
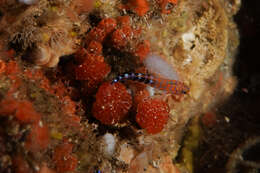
x=40, y=124
x=37, y=168
x=15, y=95
x=110, y=142
x=155, y=164
x=188, y=60
x=28, y=2
x=227, y=119
x=188, y=39
x=129, y=91
x=151, y=90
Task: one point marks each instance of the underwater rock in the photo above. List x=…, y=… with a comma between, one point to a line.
x=81, y=114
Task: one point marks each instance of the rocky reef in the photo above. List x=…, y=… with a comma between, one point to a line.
x=79, y=91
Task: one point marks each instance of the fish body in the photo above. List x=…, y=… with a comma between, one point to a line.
x=168, y=85
x=171, y=86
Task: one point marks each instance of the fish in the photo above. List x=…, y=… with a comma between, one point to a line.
x=169, y=85
x=161, y=75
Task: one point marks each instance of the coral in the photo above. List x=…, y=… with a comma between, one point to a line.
x=123, y=21
x=112, y=103
x=45, y=169
x=54, y=43
x=82, y=6
x=95, y=47
x=49, y=113
x=80, y=55
x=209, y=119
x=142, y=50
x=21, y=165
x=69, y=108
x=12, y=68
x=2, y=66
x=38, y=139
x=25, y=37
x=25, y=112
x=94, y=69
x=108, y=24
x=165, y=164
x=101, y=31
x=63, y=158
x=140, y=96
x=8, y=106
x=97, y=34
x=152, y=115
x=167, y=5
x=42, y=35
x=140, y=7
x=140, y=162
x=119, y=38
x=124, y=33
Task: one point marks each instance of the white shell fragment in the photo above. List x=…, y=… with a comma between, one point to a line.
x=110, y=142
x=28, y=2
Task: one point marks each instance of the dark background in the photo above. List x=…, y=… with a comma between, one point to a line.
x=243, y=107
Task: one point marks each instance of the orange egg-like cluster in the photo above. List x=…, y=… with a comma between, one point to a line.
x=167, y=5
x=63, y=158
x=140, y=7
x=112, y=103
x=152, y=115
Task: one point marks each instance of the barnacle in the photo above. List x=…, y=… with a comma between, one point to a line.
x=24, y=31
x=26, y=37
x=55, y=42
x=47, y=33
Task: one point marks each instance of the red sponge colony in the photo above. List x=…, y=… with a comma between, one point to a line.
x=152, y=115
x=112, y=103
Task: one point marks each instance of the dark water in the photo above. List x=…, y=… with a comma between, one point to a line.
x=243, y=108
